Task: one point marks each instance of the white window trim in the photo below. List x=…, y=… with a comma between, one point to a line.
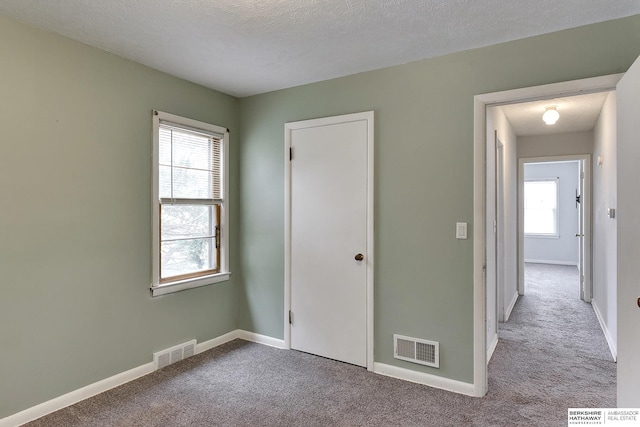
x=158, y=289
x=555, y=235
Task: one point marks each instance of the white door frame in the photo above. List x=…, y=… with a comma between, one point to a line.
x=495, y=229
x=585, y=207
x=369, y=255
x=481, y=102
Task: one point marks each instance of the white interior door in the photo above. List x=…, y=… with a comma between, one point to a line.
x=581, y=229
x=330, y=254
x=628, y=217
x=491, y=226
x=500, y=251
x=583, y=232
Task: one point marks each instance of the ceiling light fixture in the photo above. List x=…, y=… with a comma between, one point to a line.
x=551, y=116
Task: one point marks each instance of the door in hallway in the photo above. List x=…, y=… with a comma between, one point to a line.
x=628, y=217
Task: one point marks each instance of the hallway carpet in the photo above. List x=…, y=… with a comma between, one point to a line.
x=551, y=356
x=552, y=352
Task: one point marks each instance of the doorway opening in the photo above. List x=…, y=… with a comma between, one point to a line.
x=555, y=211
x=552, y=212
x=498, y=248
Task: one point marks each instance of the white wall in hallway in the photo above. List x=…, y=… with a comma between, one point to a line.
x=605, y=228
x=510, y=291
x=561, y=144
x=497, y=122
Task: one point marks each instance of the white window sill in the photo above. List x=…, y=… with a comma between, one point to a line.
x=168, y=288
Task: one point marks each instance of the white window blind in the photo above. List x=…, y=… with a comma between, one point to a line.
x=189, y=165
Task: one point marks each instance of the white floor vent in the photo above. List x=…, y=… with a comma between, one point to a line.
x=416, y=350
x=174, y=354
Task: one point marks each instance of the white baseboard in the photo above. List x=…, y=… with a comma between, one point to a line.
x=76, y=396
x=424, y=378
x=260, y=339
x=512, y=304
x=240, y=334
x=552, y=262
x=215, y=342
x=492, y=347
x=101, y=386
x=90, y=390
x=612, y=345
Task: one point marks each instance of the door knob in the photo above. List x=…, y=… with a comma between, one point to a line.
x=579, y=235
x=359, y=257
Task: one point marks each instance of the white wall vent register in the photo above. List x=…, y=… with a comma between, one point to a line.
x=416, y=350
x=174, y=354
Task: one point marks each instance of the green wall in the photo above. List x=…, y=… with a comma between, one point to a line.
x=75, y=217
x=423, y=177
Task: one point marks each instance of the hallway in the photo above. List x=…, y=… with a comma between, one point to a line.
x=552, y=351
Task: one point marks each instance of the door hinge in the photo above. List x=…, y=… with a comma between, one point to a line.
x=290, y=153
x=290, y=317
x=582, y=278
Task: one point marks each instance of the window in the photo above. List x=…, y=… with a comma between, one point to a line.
x=541, y=207
x=189, y=204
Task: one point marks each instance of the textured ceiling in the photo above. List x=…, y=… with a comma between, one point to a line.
x=577, y=113
x=245, y=47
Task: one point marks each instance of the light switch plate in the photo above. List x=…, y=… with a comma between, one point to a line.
x=461, y=230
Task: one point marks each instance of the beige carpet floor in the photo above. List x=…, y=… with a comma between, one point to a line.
x=552, y=355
